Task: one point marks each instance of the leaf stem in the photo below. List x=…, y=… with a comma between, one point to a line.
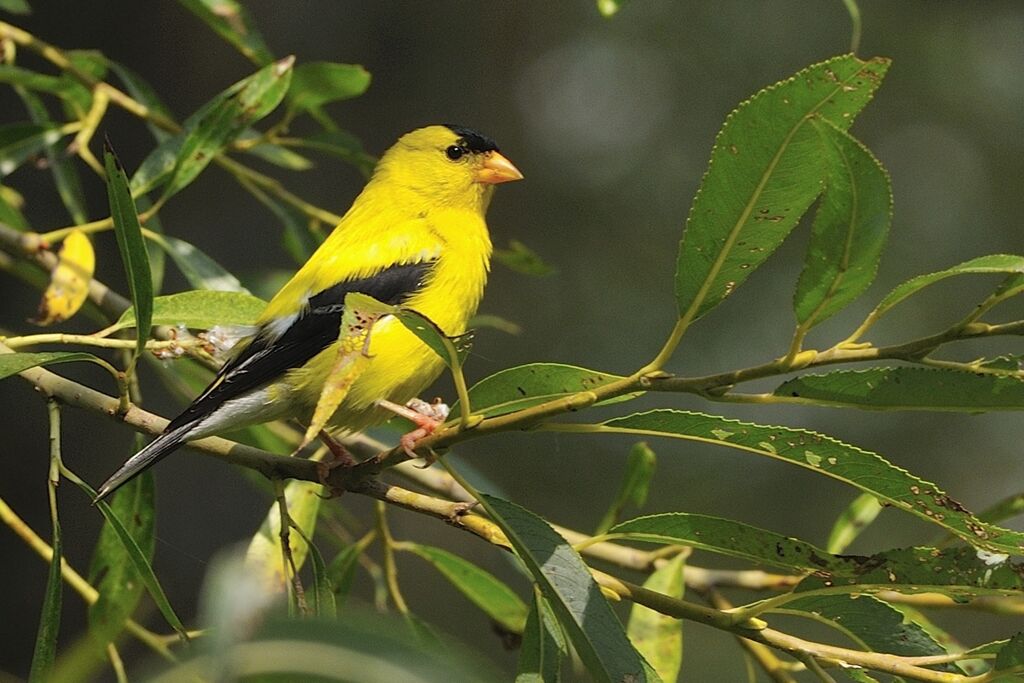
x=390, y=568
x=855, y=21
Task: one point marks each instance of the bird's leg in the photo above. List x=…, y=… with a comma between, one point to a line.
x=426, y=416
x=341, y=457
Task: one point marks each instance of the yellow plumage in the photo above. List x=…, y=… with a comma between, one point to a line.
x=416, y=234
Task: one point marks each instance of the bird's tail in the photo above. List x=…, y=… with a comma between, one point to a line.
x=157, y=449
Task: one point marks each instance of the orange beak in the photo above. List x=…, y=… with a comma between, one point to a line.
x=497, y=169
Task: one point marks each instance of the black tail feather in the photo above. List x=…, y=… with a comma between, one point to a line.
x=157, y=449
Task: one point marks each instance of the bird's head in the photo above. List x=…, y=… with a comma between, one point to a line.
x=452, y=165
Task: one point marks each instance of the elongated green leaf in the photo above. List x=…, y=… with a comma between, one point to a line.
x=485, y=591
x=528, y=385
x=132, y=247
x=343, y=145
x=13, y=363
x=659, y=638
x=142, y=565
x=519, y=258
x=19, y=141
x=873, y=624
x=541, y=652
x=866, y=470
x=201, y=310
x=248, y=102
x=300, y=239
x=566, y=582
x=853, y=520
x=1008, y=507
x=635, y=484
x=1005, y=264
x=452, y=350
x=201, y=271
x=729, y=537
x=318, y=83
x=909, y=388
x=65, y=174
x=112, y=570
x=765, y=170
x=279, y=156
x=26, y=78
x=849, y=230
x=342, y=569
x=232, y=22
x=49, y=620
x=960, y=572
x=323, y=591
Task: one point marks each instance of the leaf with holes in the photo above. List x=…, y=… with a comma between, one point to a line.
x=766, y=169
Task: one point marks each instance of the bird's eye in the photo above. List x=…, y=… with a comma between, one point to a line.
x=455, y=152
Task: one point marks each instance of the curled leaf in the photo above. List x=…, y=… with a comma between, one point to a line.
x=69, y=281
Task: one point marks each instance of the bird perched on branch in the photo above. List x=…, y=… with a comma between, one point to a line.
x=415, y=236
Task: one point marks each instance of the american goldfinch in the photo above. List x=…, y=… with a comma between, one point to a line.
x=415, y=236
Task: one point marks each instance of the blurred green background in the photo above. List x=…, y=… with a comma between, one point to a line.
x=612, y=122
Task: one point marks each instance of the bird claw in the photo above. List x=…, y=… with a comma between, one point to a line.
x=340, y=457
x=426, y=416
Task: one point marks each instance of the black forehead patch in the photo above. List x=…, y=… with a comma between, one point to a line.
x=472, y=140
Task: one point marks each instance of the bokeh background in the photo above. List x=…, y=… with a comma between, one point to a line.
x=612, y=123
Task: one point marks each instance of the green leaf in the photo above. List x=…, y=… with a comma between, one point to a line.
x=318, y=83
x=566, y=582
x=19, y=141
x=825, y=455
x=853, y=520
x=1000, y=264
x=13, y=363
x=232, y=112
x=342, y=569
x=15, y=6
x=728, y=537
x=201, y=310
x=300, y=238
x=633, y=489
x=201, y=271
x=766, y=168
x=909, y=388
x=849, y=231
x=65, y=175
x=529, y=385
x=1008, y=507
x=873, y=624
x=343, y=145
x=659, y=638
x=112, y=570
x=323, y=591
x=141, y=563
x=485, y=591
x=10, y=209
x=540, y=655
x=132, y=248
x=280, y=156
x=519, y=258
x=49, y=620
x=17, y=76
x=1011, y=655
x=494, y=322
x=231, y=21
x=452, y=350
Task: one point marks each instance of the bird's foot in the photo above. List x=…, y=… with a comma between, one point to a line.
x=426, y=416
x=340, y=457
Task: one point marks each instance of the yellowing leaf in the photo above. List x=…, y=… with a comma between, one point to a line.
x=263, y=559
x=69, y=281
x=361, y=312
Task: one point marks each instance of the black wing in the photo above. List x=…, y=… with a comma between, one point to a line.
x=265, y=358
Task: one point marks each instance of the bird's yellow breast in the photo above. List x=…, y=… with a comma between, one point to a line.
x=401, y=366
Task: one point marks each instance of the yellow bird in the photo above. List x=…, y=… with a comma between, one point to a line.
x=415, y=236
